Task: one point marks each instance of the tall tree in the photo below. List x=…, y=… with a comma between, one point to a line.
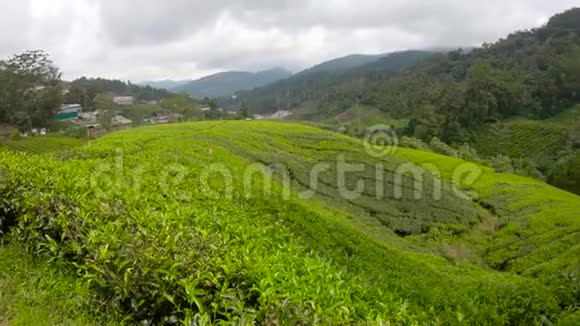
x=182, y=104
x=30, y=84
x=244, y=112
x=106, y=108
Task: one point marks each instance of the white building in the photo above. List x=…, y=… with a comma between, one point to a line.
x=120, y=120
x=124, y=100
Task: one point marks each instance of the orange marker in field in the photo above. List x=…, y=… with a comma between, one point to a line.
x=210, y=146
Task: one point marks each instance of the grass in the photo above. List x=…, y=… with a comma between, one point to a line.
x=164, y=230
x=34, y=291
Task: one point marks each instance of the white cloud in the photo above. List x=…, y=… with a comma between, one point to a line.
x=152, y=39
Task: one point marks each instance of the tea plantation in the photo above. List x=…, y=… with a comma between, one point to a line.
x=42, y=144
x=226, y=223
x=529, y=139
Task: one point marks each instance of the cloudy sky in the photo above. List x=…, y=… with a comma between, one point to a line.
x=183, y=39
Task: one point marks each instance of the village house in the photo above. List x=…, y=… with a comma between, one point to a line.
x=124, y=100
x=69, y=112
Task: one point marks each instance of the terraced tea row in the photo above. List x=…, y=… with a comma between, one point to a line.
x=43, y=144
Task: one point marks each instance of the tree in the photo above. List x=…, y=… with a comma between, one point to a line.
x=244, y=112
x=566, y=71
x=106, y=108
x=481, y=100
x=182, y=104
x=138, y=112
x=21, y=120
x=30, y=83
x=91, y=87
x=568, y=21
x=428, y=123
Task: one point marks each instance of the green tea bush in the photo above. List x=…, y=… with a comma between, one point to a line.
x=76, y=132
x=15, y=135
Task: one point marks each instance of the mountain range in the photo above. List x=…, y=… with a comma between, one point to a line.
x=316, y=83
x=223, y=84
x=229, y=83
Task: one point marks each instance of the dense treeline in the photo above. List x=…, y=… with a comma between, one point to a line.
x=531, y=73
x=84, y=91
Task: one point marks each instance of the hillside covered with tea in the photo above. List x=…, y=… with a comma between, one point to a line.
x=220, y=222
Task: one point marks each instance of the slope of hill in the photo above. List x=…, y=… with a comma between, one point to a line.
x=522, y=138
x=226, y=221
x=226, y=84
x=343, y=64
x=529, y=73
x=326, y=82
x=164, y=84
x=551, y=145
x=526, y=138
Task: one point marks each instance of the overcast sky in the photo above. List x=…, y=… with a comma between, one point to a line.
x=183, y=39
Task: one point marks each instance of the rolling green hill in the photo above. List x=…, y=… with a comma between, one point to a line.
x=213, y=221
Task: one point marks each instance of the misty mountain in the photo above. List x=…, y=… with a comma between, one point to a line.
x=164, y=84
x=343, y=63
x=226, y=84
x=321, y=81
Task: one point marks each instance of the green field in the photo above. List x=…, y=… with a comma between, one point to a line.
x=211, y=222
